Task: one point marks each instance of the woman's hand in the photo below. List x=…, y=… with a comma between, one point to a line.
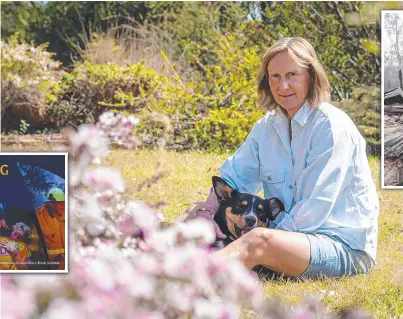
x=202, y=210
x=205, y=210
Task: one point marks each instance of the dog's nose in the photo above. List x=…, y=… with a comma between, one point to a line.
x=250, y=220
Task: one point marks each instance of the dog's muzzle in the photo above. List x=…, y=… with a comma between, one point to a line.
x=250, y=221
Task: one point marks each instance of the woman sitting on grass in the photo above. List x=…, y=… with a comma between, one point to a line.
x=309, y=154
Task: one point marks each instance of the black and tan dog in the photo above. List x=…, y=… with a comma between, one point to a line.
x=239, y=212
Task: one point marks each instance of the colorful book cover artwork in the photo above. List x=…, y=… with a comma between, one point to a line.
x=33, y=212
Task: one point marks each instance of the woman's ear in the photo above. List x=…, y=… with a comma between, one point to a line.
x=221, y=188
x=273, y=207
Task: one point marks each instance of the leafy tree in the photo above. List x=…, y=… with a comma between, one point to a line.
x=67, y=25
x=22, y=17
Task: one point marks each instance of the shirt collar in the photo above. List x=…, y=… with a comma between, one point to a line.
x=301, y=117
x=303, y=114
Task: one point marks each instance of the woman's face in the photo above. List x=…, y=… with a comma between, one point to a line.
x=289, y=82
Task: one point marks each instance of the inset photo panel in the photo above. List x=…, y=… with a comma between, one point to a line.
x=392, y=101
x=33, y=212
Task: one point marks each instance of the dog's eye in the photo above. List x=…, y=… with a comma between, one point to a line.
x=242, y=204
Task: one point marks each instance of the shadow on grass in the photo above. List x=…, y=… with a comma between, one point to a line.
x=266, y=274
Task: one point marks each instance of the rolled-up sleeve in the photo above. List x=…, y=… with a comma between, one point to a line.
x=242, y=169
x=328, y=170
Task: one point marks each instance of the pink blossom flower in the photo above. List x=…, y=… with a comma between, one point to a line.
x=180, y=262
x=199, y=229
x=39, y=283
x=100, y=274
x=16, y=302
x=107, y=118
x=128, y=227
x=89, y=139
x=89, y=211
x=118, y=127
x=204, y=309
x=142, y=285
x=138, y=219
x=148, y=263
x=149, y=315
x=65, y=309
x=102, y=179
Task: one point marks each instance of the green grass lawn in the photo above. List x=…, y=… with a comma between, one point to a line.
x=186, y=178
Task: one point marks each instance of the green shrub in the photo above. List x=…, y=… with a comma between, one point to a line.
x=214, y=110
x=225, y=97
x=30, y=83
x=93, y=88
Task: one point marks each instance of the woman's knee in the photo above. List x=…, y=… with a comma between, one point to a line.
x=260, y=241
x=260, y=236
x=278, y=250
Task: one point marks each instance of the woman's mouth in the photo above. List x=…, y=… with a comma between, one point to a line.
x=287, y=95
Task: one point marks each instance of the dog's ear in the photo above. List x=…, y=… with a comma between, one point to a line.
x=221, y=188
x=273, y=207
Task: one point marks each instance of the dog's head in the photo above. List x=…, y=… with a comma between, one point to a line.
x=243, y=211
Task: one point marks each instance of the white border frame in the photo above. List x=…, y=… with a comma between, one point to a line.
x=383, y=186
x=66, y=228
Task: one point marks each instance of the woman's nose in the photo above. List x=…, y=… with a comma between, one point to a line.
x=284, y=84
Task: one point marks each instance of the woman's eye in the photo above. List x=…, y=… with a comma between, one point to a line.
x=274, y=76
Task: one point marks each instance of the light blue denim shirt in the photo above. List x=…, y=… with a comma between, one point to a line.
x=321, y=174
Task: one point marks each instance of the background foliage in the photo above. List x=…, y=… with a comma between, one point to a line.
x=193, y=62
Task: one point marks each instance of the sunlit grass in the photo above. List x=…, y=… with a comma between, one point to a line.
x=188, y=179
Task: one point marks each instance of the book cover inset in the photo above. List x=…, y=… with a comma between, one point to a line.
x=33, y=212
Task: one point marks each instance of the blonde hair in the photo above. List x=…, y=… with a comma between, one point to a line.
x=304, y=54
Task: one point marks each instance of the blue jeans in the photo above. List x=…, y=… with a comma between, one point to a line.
x=330, y=257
